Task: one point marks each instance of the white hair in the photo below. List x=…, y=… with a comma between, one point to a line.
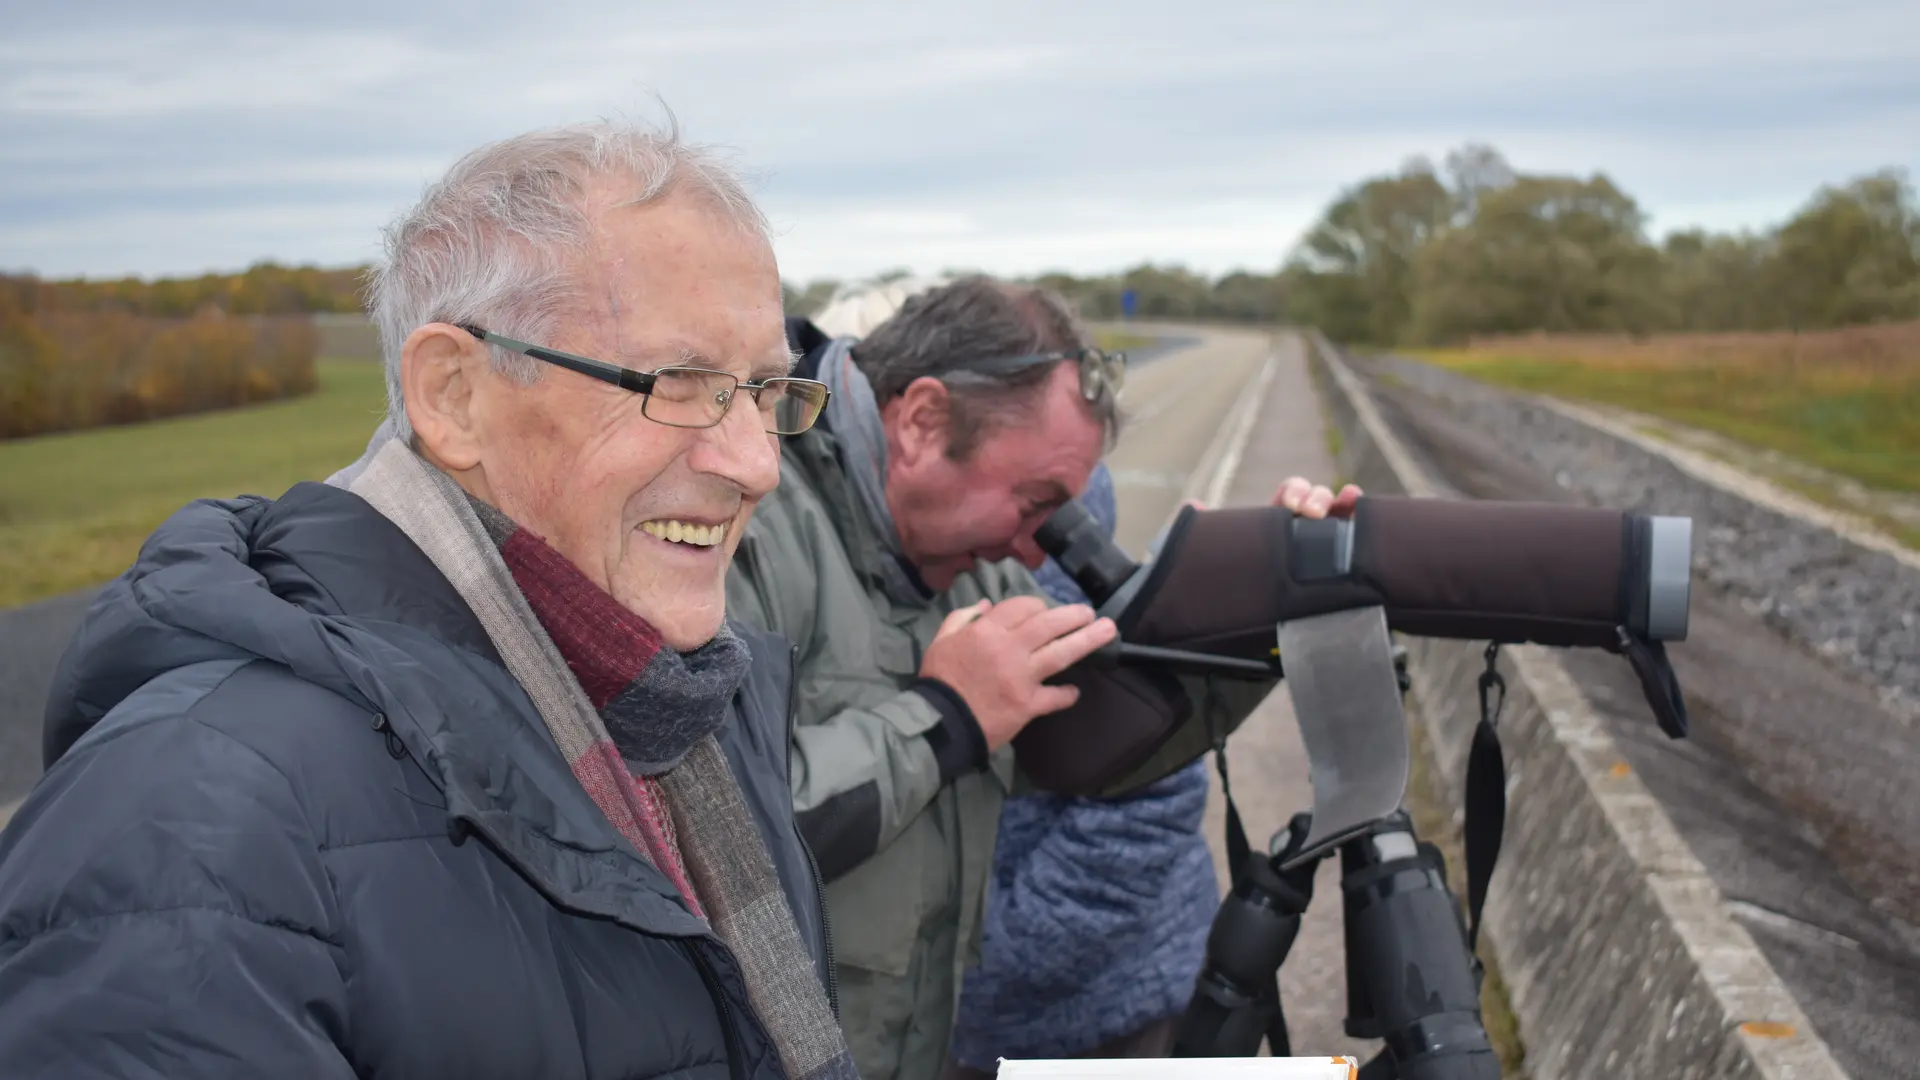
x=497, y=241
x=855, y=310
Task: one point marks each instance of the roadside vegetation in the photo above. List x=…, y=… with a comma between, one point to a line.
x=77, y=355
x=1847, y=401
x=75, y=507
x=1801, y=340
x=1434, y=256
x=1113, y=340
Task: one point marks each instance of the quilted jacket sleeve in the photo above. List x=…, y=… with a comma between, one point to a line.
x=163, y=913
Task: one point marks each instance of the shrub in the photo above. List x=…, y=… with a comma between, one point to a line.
x=64, y=370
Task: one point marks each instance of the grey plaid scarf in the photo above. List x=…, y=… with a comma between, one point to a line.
x=738, y=889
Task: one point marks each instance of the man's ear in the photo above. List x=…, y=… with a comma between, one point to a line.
x=919, y=421
x=439, y=368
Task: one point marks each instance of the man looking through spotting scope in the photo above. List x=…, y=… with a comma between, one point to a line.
x=896, y=555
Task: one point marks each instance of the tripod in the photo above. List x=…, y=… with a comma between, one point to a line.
x=1412, y=979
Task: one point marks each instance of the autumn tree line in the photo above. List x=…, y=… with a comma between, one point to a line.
x=79, y=354
x=1475, y=248
x=1424, y=256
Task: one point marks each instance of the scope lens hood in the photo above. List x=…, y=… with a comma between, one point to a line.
x=1669, y=570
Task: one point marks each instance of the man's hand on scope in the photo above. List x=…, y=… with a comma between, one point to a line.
x=1308, y=499
x=997, y=657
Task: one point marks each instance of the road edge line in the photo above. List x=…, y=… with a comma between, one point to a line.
x=1214, y=474
x=1242, y=433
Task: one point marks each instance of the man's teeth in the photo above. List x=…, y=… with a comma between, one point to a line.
x=681, y=532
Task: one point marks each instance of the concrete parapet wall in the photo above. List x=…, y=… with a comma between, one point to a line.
x=1619, y=956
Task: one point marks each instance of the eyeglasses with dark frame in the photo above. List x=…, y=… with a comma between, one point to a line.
x=1100, y=371
x=687, y=397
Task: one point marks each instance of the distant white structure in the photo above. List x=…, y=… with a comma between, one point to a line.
x=855, y=310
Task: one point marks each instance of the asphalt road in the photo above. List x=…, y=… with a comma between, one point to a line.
x=31, y=640
x=1795, y=788
x=1179, y=439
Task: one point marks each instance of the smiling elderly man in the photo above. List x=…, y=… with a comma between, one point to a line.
x=458, y=772
x=896, y=556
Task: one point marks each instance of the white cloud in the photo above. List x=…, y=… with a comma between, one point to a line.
x=1005, y=135
x=202, y=69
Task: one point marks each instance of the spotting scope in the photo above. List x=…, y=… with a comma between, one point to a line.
x=1504, y=572
x=1261, y=594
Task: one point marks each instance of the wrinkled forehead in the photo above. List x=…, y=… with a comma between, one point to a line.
x=678, y=282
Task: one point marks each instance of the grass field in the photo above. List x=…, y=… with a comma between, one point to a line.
x=1121, y=341
x=1847, y=401
x=75, y=507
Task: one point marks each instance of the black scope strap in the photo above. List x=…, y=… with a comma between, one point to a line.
x=1486, y=794
x=1237, y=847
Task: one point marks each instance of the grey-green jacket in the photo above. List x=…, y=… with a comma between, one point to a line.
x=887, y=777
x=905, y=850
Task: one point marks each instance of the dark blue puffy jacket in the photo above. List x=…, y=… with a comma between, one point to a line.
x=1098, y=913
x=314, y=829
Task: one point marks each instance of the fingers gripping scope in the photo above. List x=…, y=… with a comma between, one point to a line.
x=1478, y=570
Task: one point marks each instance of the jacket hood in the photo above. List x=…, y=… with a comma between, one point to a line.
x=317, y=581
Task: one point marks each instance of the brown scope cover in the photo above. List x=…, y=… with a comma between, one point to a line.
x=1488, y=571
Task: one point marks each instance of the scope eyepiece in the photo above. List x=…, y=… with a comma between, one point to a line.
x=1077, y=542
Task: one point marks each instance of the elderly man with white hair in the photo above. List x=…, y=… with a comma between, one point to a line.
x=455, y=768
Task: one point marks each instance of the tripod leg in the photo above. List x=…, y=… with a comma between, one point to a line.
x=1278, y=1044
x=1236, y=997
x=1380, y=1068
x=1410, y=974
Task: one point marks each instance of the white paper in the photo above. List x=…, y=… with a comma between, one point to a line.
x=1256, y=1068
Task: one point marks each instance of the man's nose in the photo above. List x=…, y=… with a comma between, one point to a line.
x=739, y=449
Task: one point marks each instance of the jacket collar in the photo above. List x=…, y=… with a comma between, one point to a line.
x=816, y=456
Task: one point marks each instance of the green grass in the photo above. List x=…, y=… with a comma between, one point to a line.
x=1122, y=341
x=74, y=508
x=1863, y=427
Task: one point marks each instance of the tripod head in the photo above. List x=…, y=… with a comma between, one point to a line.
x=1411, y=981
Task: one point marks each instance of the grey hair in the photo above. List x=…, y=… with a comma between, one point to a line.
x=498, y=240
x=977, y=318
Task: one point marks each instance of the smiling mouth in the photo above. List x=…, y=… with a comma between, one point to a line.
x=690, y=533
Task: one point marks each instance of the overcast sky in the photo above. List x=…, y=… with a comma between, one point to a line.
x=140, y=137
